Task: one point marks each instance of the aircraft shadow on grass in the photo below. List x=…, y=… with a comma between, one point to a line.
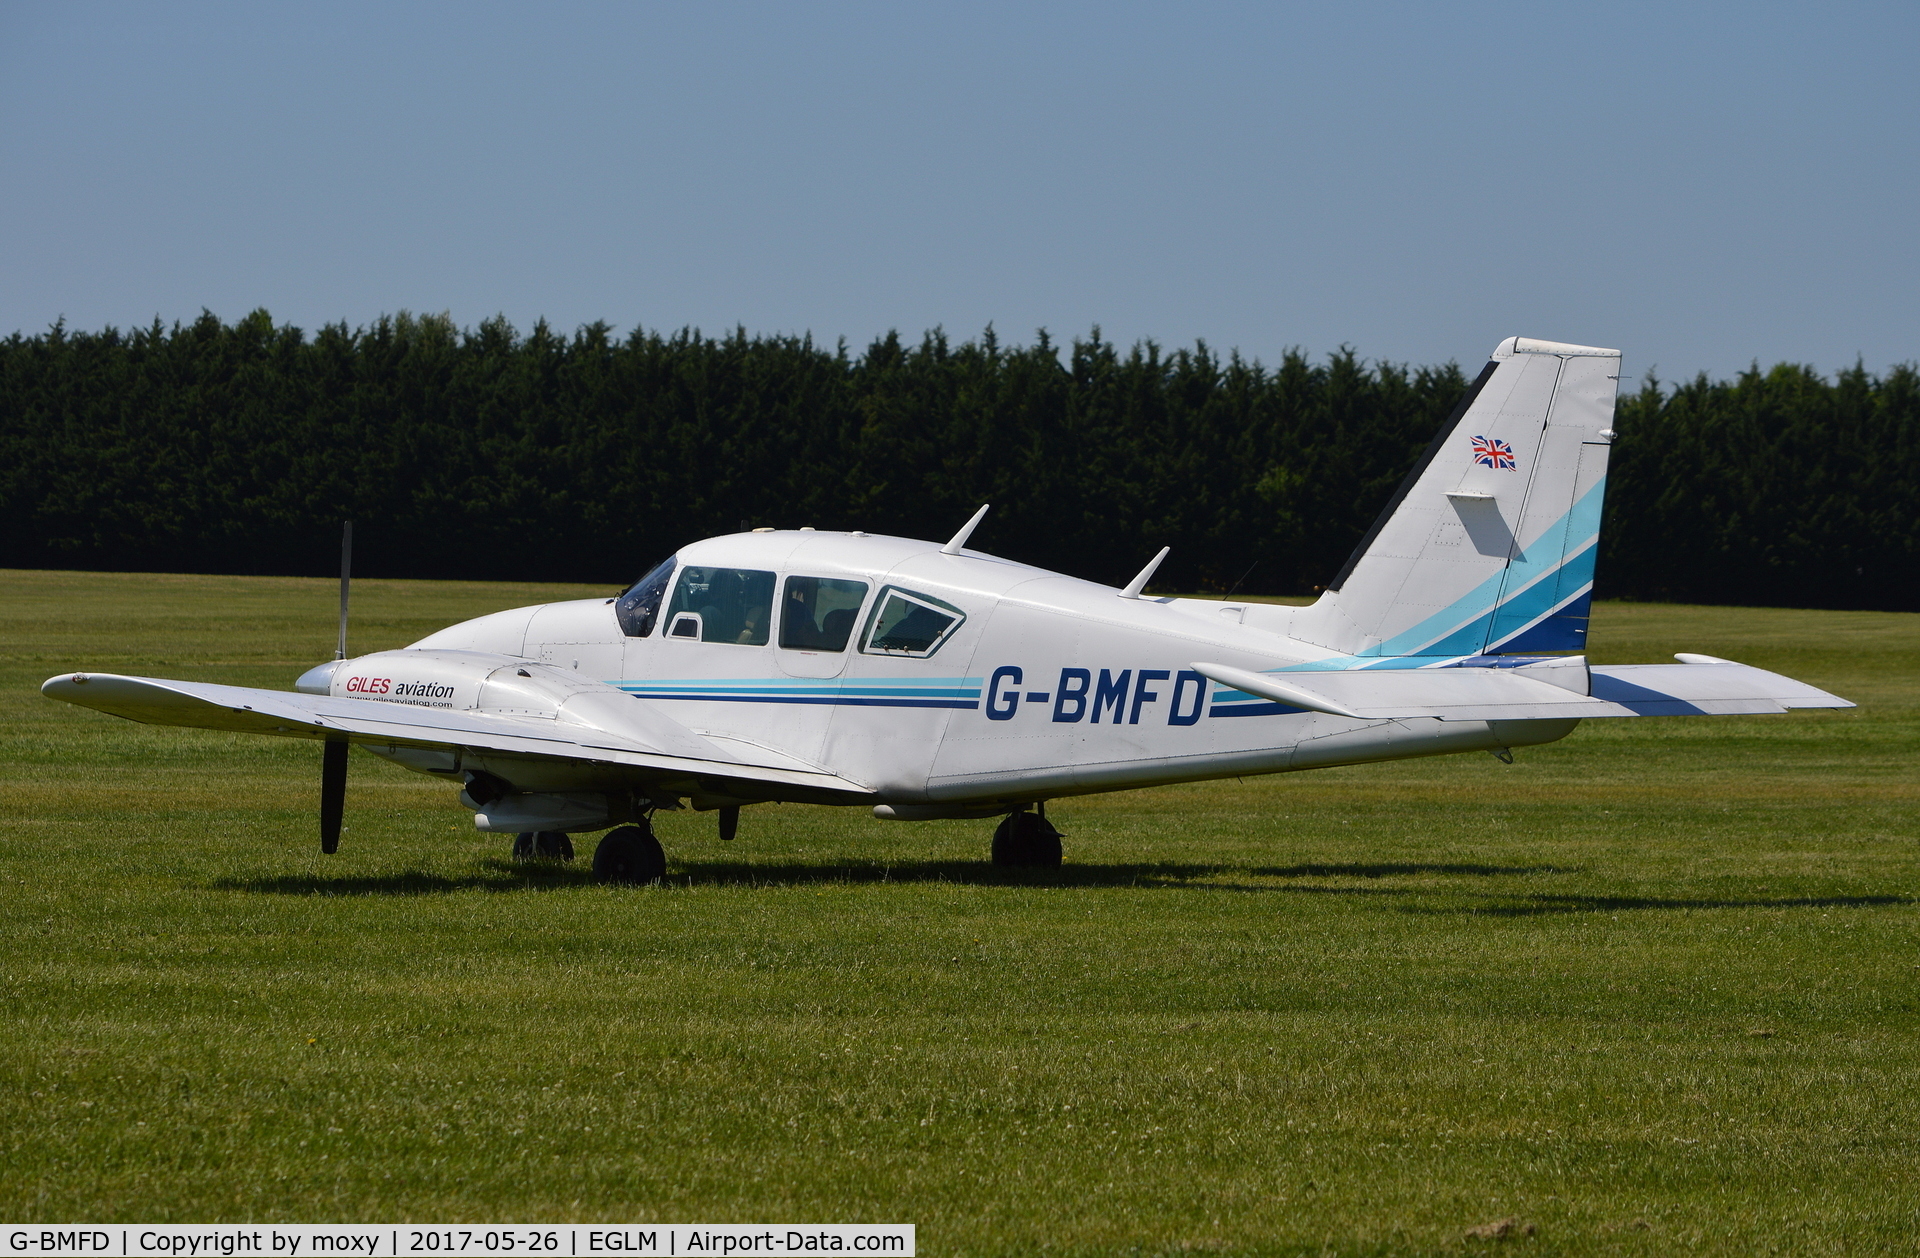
x=410, y=883
x=505, y=876
x=1546, y=905
x=1549, y=905
x=1402, y=871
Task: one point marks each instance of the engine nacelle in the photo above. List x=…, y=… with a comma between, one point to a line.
x=502, y=685
x=461, y=681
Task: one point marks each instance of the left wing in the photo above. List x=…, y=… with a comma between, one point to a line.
x=657, y=747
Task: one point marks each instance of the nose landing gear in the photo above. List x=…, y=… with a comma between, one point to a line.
x=1027, y=840
x=542, y=845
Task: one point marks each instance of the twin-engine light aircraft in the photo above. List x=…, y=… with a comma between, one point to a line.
x=927, y=681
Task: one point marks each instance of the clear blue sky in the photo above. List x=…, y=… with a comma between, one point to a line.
x=1700, y=185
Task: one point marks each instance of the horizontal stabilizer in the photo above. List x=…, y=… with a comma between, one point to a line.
x=1705, y=686
x=1498, y=694
x=1451, y=694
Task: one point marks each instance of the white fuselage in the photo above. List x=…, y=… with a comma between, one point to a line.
x=1048, y=686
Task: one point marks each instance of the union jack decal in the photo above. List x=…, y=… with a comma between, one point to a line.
x=1493, y=452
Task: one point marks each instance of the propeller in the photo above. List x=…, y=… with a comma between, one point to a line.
x=333, y=756
x=333, y=792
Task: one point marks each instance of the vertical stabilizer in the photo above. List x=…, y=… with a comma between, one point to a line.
x=1489, y=545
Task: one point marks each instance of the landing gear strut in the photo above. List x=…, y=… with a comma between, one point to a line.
x=1027, y=840
x=630, y=856
x=542, y=845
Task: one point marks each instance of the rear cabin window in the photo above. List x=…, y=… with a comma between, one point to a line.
x=817, y=613
x=639, y=607
x=731, y=604
x=905, y=623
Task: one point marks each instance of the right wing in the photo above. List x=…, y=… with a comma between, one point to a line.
x=658, y=748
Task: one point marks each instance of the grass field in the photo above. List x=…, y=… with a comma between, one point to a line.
x=1652, y=988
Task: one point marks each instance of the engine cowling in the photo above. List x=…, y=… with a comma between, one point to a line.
x=475, y=681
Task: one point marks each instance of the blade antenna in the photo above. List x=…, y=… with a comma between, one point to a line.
x=346, y=583
x=966, y=531
x=1139, y=583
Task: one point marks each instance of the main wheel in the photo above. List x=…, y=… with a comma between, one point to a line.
x=629, y=855
x=1026, y=841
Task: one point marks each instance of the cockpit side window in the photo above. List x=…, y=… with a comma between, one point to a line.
x=734, y=604
x=818, y=613
x=639, y=607
x=905, y=623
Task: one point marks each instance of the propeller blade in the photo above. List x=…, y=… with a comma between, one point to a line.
x=729, y=822
x=346, y=582
x=333, y=793
x=333, y=759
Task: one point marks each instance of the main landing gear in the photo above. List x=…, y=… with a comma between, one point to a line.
x=542, y=845
x=1027, y=840
x=630, y=856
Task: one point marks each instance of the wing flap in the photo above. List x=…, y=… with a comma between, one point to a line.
x=242, y=709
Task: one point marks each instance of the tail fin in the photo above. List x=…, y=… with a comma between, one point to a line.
x=1489, y=545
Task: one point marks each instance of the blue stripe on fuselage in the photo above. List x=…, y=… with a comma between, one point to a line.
x=868, y=692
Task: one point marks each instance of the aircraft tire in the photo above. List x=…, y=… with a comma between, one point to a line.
x=629, y=856
x=1026, y=841
x=542, y=845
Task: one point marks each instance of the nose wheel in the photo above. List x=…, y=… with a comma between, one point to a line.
x=1026, y=840
x=542, y=845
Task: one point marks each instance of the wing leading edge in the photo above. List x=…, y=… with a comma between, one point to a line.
x=242, y=709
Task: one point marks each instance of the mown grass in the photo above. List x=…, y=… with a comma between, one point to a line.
x=1654, y=987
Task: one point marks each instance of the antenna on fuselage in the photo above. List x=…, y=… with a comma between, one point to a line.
x=966, y=531
x=1139, y=583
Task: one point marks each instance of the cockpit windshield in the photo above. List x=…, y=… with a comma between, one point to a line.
x=639, y=607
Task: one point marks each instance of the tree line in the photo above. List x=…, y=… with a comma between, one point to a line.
x=487, y=453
